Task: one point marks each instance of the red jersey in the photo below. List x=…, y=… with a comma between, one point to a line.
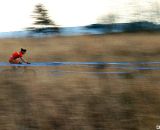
x=16, y=55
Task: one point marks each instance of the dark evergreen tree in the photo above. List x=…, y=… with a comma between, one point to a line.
x=41, y=16
x=43, y=24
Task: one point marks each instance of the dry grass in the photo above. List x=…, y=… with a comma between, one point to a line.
x=35, y=98
x=86, y=48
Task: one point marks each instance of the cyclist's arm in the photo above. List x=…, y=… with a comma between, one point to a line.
x=23, y=60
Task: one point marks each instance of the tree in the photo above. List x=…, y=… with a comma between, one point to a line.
x=137, y=11
x=43, y=24
x=41, y=16
x=110, y=20
x=154, y=12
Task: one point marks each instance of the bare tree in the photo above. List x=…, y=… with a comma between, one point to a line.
x=137, y=13
x=154, y=12
x=108, y=19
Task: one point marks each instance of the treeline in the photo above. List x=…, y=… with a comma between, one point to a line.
x=141, y=19
x=126, y=27
x=137, y=16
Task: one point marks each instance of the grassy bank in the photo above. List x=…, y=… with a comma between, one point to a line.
x=33, y=98
x=86, y=48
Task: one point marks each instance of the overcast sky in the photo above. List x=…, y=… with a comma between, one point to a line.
x=16, y=14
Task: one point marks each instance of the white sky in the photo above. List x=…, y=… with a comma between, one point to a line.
x=16, y=14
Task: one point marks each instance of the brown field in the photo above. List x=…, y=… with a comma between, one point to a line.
x=41, y=98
